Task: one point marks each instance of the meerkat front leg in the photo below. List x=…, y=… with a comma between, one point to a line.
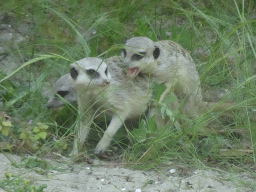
x=85, y=121
x=113, y=127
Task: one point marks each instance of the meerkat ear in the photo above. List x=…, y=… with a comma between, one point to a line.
x=156, y=52
x=124, y=53
x=73, y=72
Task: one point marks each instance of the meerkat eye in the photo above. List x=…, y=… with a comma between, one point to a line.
x=90, y=72
x=124, y=52
x=106, y=72
x=62, y=93
x=137, y=57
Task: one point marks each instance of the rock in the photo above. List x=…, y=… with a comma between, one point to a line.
x=8, y=64
x=23, y=28
x=201, y=54
x=5, y=37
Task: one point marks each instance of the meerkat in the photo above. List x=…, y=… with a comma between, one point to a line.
x=63, y=88
x=166, y=62
x=103, y=86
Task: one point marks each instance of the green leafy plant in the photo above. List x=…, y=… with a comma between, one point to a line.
x=13, y=183
x=5, y=123
x=33, y=134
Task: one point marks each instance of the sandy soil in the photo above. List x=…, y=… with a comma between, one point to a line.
x=108, y=177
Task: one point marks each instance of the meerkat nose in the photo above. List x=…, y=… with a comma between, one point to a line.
x=106, y=82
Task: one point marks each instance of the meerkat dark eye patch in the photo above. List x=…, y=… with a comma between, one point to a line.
x=137, y=57
x=92, y=73
x=73, y=73
x=156, y=52
x=62, y=93
x=124, y=52
x=106, y=72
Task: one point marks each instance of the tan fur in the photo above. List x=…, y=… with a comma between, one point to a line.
x=121, y=97
x=173, y=67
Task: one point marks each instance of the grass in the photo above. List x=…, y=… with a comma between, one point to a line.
x=61, y=32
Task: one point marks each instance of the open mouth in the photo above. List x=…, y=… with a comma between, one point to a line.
x=133, y=72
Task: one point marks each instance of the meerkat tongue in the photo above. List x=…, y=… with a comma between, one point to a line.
x=133, y=72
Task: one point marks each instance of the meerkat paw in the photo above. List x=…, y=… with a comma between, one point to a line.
x=74, y=152
x=99, y=150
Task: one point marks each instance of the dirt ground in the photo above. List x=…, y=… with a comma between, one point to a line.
x=108, y=177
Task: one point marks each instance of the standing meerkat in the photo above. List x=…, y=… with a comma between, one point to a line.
x=166, y=62
x=64, y=88
x=103, y=85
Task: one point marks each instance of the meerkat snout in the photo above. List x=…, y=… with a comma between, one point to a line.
x=141, y=54
x=62, y=88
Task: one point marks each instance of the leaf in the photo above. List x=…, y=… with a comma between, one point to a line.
x=152, y=126
x=7, y=123
x=158, y=90
x=170, y=114
x=64, y=146
x=23, y=136
x=42, y=126
x=140, y=134
x=36, y=137
x=42, y=135
x=31, y=163
x=36, y=129
x=5, y=131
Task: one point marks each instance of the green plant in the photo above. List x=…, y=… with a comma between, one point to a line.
x=33, y=135
x=5, y=123
x=13, y=183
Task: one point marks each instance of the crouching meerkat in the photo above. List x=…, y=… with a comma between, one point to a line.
x=64, y=88
x=103, y=85
x=166, y=62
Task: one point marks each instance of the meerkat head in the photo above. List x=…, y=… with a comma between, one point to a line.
x=140, y=55
x=64, y=88
x=90, y=72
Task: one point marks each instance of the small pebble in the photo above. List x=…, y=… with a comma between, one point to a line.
x=172, y=170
